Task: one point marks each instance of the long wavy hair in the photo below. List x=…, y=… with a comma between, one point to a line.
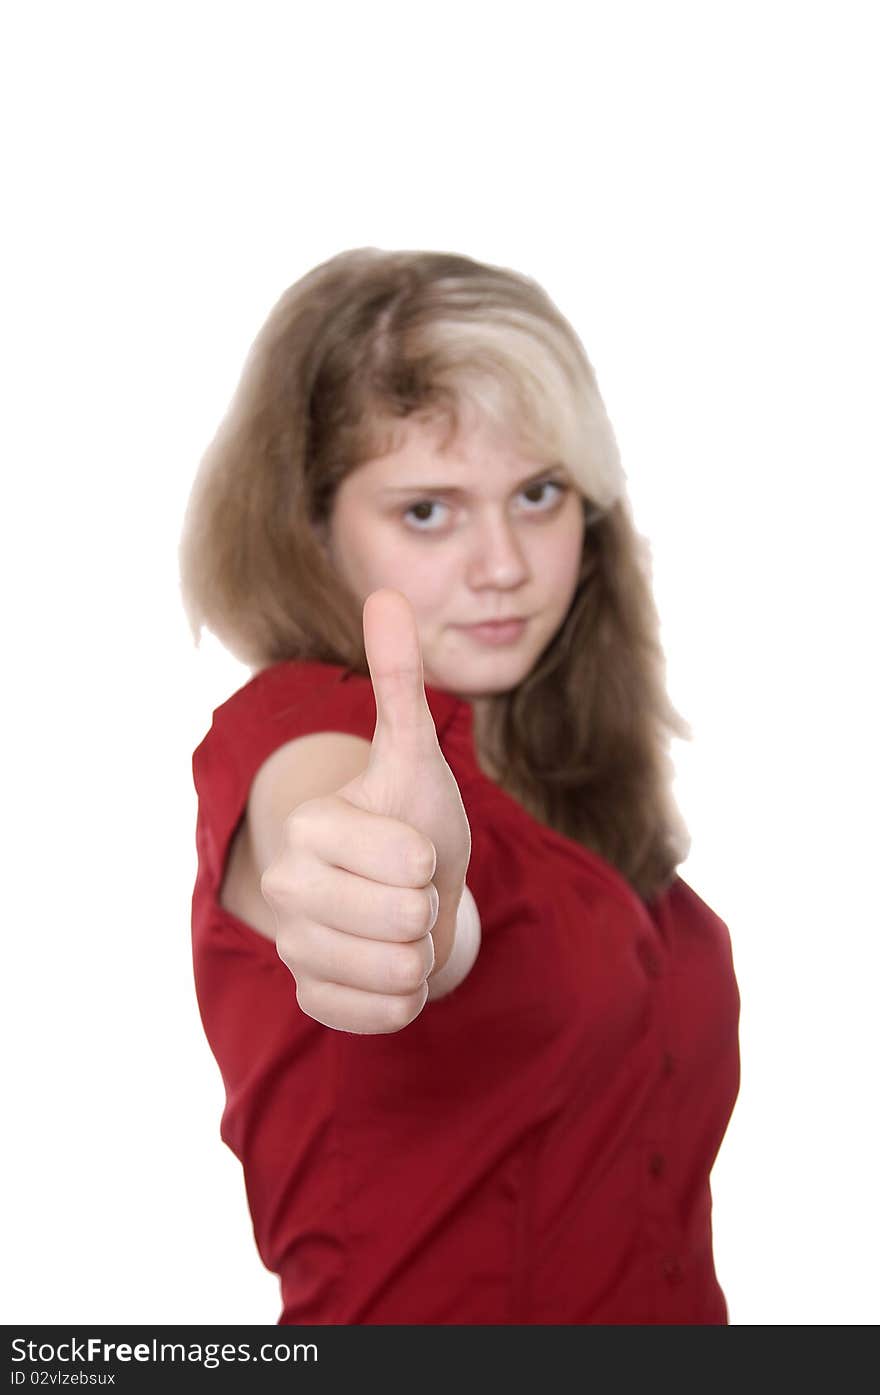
x=361, y=342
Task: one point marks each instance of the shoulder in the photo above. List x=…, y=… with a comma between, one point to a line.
x=690, y=920
x=277, y=706
x=280, y=704
x=691, y=907
x=293, y=732
x=298, y=697
x=294, y=697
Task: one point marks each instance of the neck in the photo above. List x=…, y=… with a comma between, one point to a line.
x=480, y=708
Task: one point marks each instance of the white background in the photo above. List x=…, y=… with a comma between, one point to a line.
x=695, y=184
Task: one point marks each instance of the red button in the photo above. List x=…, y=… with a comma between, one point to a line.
x=656, y=1164
x=650, y=959
x=672, y=1270
x=668, y=1063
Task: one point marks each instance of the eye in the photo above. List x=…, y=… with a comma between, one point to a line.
x=426, y=516
x=531, y=490
x=419, y=515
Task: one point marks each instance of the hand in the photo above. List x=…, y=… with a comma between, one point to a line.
x=367, y=885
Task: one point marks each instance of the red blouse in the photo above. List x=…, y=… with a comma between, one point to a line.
x=533, y=1148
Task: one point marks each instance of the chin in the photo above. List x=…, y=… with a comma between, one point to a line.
x=475, y=685
x=481, y=675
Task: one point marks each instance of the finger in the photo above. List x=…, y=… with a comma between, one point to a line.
x=391, y=641
x=343, y=901
x=350, y=1010
x=376, y=846
x=375, y=966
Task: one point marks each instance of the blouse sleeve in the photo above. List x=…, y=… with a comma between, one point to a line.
x=279, y=1066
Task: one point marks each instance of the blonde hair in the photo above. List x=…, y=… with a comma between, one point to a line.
x=351, y=350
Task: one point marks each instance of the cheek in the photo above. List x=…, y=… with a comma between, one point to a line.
x=413, y=567
x=561, y=559
x=358, y=550
x=427, y=577
x=370, y=555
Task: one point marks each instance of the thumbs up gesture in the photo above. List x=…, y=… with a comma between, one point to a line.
x=367, y=887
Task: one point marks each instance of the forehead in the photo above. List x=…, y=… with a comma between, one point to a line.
x=424, y=453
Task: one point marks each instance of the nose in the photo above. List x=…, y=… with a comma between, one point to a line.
x=497, y=557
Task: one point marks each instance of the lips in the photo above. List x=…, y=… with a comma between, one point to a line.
x=505, y=620
x=496, y=632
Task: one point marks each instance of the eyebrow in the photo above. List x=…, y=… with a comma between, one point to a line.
x=458, y=492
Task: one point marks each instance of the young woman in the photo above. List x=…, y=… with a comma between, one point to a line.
x=478, y=1038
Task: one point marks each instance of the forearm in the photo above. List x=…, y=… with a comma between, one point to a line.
x=465, y=949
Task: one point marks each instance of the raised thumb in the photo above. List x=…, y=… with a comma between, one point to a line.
x=394, y=656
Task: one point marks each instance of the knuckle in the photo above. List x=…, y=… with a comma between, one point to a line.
x=279, y=893
x=305, y=997
x=287, y=945
x=416, y=913
x=279, y=880
x=269, y=885
x=407, y=969
x=296, y=824
x=401, y=1012
x=289, y=880
x=423, y=861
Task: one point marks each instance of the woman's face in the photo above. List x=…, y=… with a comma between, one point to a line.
x=471, y=533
